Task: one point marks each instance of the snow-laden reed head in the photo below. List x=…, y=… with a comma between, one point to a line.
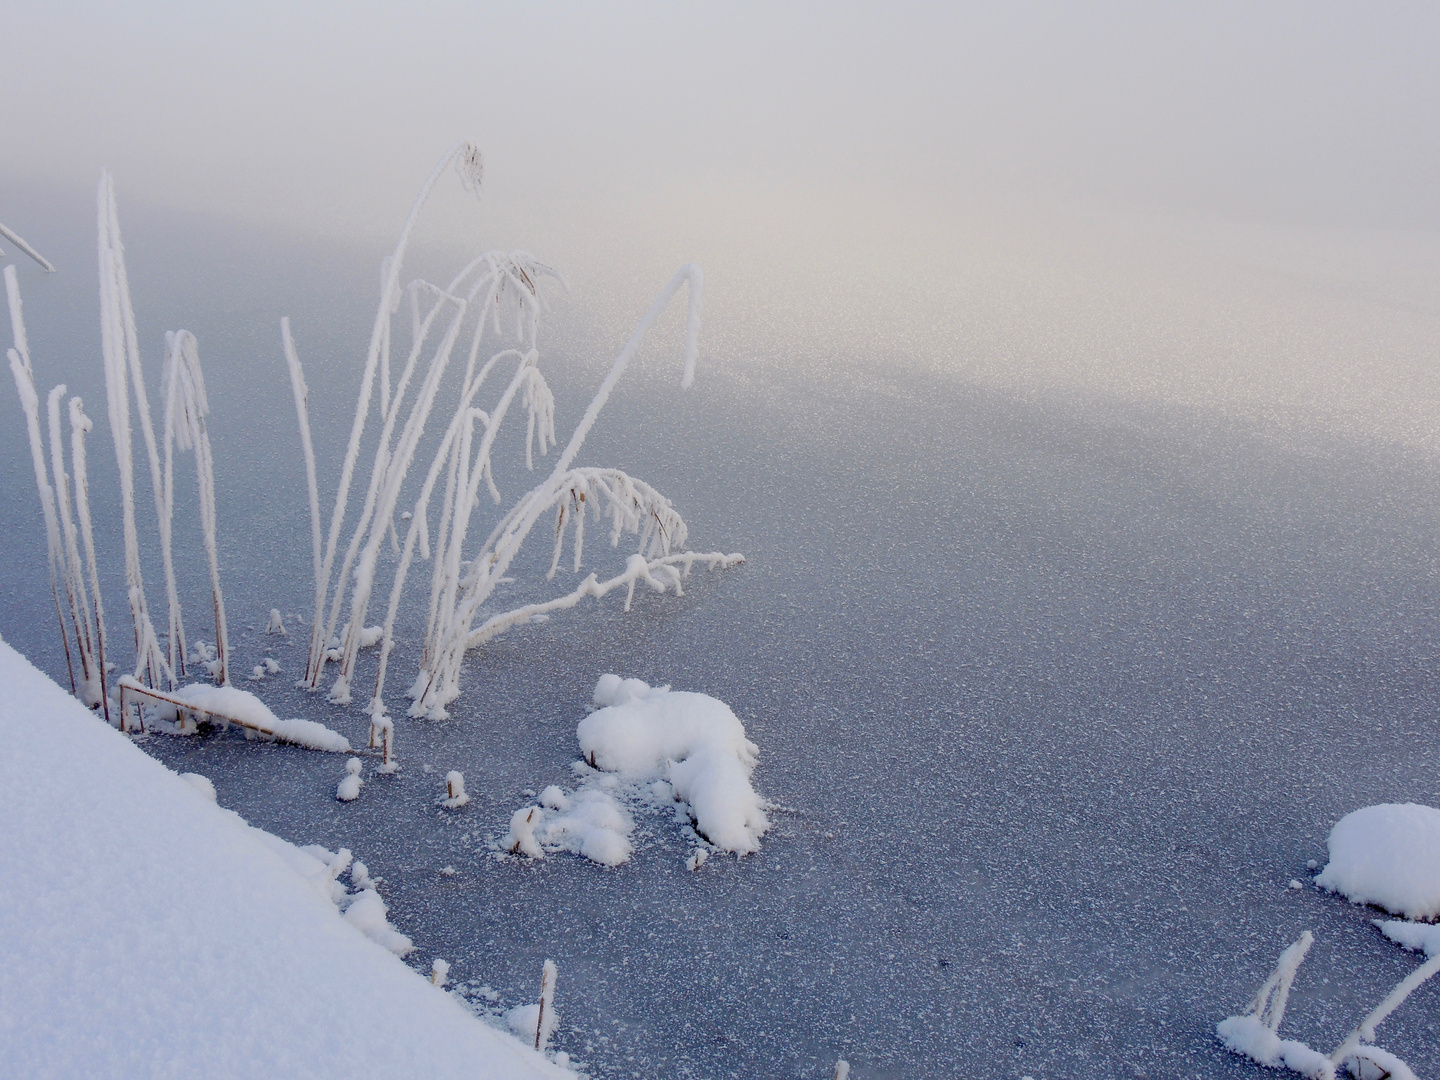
x=471, y=166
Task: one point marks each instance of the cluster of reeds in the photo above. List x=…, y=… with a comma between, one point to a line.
x=81, y=613
x=494, y=296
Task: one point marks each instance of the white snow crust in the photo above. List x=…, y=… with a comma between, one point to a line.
x=1389, y=856
x=148, y=932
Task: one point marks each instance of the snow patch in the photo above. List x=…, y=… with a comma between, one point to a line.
x=1389, y=856
x=592, y=823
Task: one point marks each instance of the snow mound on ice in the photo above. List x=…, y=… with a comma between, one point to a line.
x=148, y=932
x=694, y=741
x=1387, y=855
x=1422, y=937
x=591, y=823
x=237, y=704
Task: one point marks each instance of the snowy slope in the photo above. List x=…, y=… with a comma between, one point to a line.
x=147, y=932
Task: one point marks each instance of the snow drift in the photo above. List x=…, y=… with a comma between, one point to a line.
x=148, y=932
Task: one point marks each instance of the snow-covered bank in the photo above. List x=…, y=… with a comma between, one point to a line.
x=147, y=932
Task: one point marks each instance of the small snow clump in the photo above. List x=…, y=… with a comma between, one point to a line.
x=592, y=823
x=349, y=789
x=455, y=796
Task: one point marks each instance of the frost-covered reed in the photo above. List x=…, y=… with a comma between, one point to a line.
x=121, y=352
x=496, y=294
x=186, y=406
x=547, y=1021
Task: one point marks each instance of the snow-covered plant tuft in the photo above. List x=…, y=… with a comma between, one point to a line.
x=497, y=295
x=186, y=406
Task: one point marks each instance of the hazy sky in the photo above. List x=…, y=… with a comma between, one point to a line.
x=326, y=115
x=1229, y=204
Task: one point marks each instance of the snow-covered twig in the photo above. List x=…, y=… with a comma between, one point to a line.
x=637, y=568
x=546, y=1022
x=1256, y=1034
x=1365, y=1030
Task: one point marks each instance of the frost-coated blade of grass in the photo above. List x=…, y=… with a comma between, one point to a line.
x=186, y=409
x=74, y=575
x=177, y=638
x=301, y=393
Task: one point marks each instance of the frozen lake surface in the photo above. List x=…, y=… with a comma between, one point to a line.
x=1055, y=696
